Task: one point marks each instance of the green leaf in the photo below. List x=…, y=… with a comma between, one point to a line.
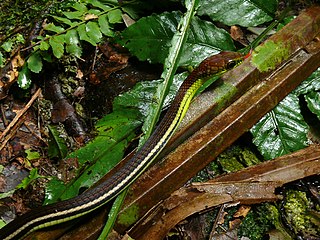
x=80, y=7
x=54, y=188
x=105, y=26
x=115, y=16
x=72, y=43
x=44, y=45
x=98, y=4
x=205, y=39
x=63, y=20
x=24, y=80
x=74, y=15
x=142, y=95
x=72, y=38
x=94, y=12
x=6, y=195
x=311, y=84
x=114, y=131
x=7, y=46
x=170, y=66
x=32, y=155
x=35, y=62
x=20, y=38
x=150, y=39
x=101, y=154
x=57, y=44
x=113, y=215
x=313, y=101
x=239, y=12
x=33, y=175
x=57, y=145
x=84, y=36
x=93, y=32
x=53, y=28
x=112, y=2
x=281, y=131
x=74, y=50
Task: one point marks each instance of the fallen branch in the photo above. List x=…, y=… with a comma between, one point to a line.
x=252, y=185
x=5, y=137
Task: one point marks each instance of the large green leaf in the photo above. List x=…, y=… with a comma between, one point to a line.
x=282, y=130
x=44, y=45
x=98, y=156
x=239, y=12
x=141, y=97
x=63, y=20
x=311, y=84
x=313, y=101
x=114, y=131
x=310, y=89
x=80, y=7
x=171, y=64
x=204, y=39
x=150, y=39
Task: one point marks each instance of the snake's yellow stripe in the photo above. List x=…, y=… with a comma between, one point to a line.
x=94, y=198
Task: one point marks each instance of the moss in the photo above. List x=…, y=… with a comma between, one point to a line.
x=267, y=56
x=248, y=157
x=297, y=211
x=256, y=224
x=19, y=13
x=130, y=216
x=236, y=158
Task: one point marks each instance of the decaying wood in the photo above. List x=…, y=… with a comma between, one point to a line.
x=252, y=185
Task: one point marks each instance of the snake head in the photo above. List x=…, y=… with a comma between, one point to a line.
x=218, y=64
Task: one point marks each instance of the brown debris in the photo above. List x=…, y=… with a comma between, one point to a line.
x=252, y=185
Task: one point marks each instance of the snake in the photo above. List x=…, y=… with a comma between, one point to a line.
x=96, y=197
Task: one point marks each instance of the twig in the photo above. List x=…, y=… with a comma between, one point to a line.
x=17, y=118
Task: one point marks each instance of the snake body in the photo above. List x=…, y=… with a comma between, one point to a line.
x=94, y=198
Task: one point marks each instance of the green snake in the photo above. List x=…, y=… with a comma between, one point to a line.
x=96, y=197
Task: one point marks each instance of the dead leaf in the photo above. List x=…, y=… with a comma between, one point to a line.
x=90, y=16
x=242, y=211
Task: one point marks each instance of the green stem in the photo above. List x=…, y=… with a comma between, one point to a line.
x=261, y=37
x=112, y=216
x=170, y=67
x=171, y=63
